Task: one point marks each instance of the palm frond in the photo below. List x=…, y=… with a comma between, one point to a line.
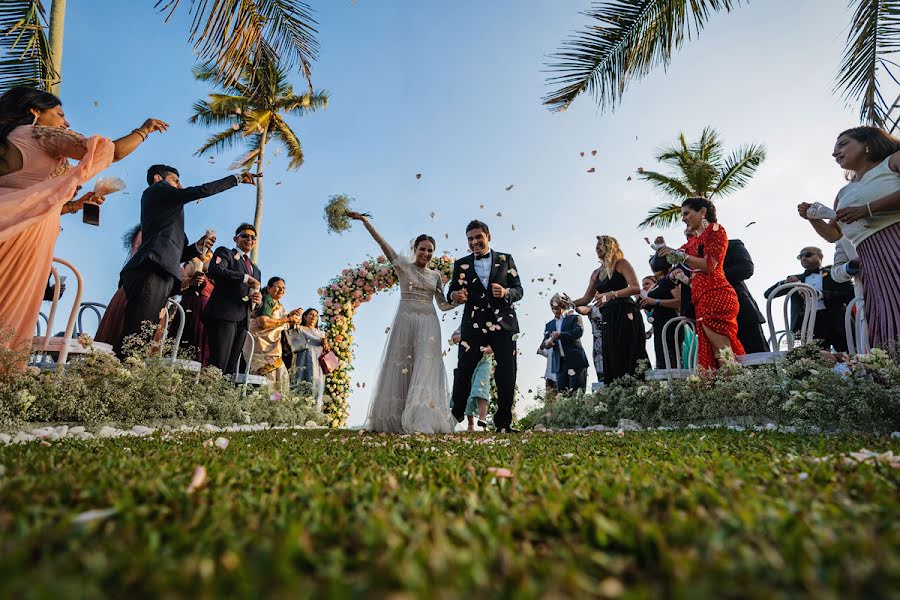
x=220, y=141
x=229, y=34
x=303, y=104
x=218, y=112
x=670, y=186
x=245, y=161
x=874, y=33
x=709, y=147
x=739, y=168
x=628, y=40
x=286, y=136
x=25, y=57
x=664, y=215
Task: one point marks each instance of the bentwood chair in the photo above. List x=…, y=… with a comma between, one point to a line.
x=856, y=327
x=810, y=297
x=681, y=369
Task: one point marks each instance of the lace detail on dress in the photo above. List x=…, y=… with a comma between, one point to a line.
x=60, y=142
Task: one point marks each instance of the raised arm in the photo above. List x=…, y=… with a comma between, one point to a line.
x=385, y=247
x=589, y=294
x=829, y=231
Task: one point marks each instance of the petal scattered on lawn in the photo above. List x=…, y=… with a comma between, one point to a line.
x=96, y=514
x=221, y=443
x=500, y=472
x=198, y=480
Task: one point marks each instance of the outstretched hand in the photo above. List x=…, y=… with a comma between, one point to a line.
x=151, y=125
x=250, y=178
x=356, y=216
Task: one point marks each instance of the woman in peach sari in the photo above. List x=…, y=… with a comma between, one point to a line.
x=36, y=186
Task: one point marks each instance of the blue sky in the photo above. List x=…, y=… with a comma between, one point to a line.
x=452, y=91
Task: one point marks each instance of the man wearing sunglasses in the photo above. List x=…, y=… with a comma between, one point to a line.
x=154, y=272
x=236, y=292
x=832, y=302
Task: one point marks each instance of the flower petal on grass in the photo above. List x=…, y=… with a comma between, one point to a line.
x=198, y=480
x=96, y=514
x=500, y=472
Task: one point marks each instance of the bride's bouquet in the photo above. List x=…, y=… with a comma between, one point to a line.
x=336, y=213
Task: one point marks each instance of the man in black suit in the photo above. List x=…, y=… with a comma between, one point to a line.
x=150, y=277
x=831, y=305
x=235, y=293
x=563, y=334
x=488, y=284
x=738, y=267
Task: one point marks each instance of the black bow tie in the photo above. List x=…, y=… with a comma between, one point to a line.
x=808, y=273
x=482, y=256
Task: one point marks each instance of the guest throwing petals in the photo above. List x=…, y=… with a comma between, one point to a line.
x=610, y=288
x=36, y=186
x=715, y=301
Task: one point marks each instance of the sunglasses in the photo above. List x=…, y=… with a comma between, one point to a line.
x=806, y=255
x=247, y=236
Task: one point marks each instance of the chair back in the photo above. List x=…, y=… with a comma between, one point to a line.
x=680, y=324
x=44, y=345
x=810, y=297
x=856, y=328
x=95, y=307
x=179, y=333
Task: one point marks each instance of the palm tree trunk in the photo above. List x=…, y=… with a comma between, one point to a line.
x=57, y=27
x=257, y=217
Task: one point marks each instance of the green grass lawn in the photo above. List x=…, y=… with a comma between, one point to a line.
x=316, y=514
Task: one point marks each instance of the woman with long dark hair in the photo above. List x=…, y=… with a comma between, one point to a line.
x=311, y=344
x=868, y=215
x=36, y=186
x=611, y=288
x=715, y=301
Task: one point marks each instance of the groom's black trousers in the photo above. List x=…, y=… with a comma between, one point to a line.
x=504, y=348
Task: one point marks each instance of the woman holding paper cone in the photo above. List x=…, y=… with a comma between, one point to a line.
x=36, y=186
x=867, y=213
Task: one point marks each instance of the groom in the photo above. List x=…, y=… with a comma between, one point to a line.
x=488, y=284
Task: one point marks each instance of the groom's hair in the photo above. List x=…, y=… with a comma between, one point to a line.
x=476, y=224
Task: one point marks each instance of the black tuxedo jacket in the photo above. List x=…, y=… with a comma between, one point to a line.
x=570, y=339
x=481, y=307
x=836, y=296
x=227, y=273
x=163, y=242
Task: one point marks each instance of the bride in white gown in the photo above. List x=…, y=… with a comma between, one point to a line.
x=410, y=395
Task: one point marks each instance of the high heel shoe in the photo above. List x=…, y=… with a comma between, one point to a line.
x=482, y=424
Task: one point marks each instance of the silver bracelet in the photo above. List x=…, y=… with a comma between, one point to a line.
x=869, y=208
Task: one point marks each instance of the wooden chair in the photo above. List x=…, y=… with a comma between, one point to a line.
x=247, y=378
x=810, y=298
x=45, y=347
x=680, y=370
x=856, y=327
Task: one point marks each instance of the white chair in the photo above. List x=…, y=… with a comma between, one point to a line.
x=856, y=327
x=173, y=361
x=810, y=298
x=44, y=347
x=680, y=370
x=246, y=378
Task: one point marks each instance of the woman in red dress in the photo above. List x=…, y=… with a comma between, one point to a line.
x=715, y=301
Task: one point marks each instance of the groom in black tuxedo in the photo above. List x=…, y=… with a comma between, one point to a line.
x=488, y=284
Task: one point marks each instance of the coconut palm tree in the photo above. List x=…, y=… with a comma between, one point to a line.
x=702, y=169
x=252, y=110
x=226, y=34
x=25, y=55
x=630, y=38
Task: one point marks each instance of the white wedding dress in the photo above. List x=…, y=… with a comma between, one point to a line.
x=411, y=392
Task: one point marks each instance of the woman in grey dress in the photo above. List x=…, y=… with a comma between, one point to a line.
x=306, y=360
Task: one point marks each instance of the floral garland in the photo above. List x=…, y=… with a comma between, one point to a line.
x=340, y=299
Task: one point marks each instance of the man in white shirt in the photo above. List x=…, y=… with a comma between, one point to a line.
x=833, y=298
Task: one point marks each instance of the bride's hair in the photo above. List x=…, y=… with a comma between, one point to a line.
x=422, y=238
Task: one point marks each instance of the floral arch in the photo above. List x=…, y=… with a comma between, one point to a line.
x=340, y=299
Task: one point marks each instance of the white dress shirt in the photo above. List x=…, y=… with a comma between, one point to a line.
x=483, y=269
x=815, y=280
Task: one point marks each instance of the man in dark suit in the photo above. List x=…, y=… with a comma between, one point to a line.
x=738, y=267
x=488, y=284
x=563, y=334
x=831, y=305
x=150, y=277
x=235, y=293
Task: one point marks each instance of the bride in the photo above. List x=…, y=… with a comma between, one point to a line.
x=411, y=395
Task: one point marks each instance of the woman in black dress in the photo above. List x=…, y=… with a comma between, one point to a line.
x=660, y=299
x=611, y=287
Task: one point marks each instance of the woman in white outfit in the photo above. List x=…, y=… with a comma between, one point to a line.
x=410, y=395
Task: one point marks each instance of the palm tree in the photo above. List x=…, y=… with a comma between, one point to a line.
x=226, y=34
x=25, y=55
x=253, y=109
x=632, y=37
x=702, y=170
